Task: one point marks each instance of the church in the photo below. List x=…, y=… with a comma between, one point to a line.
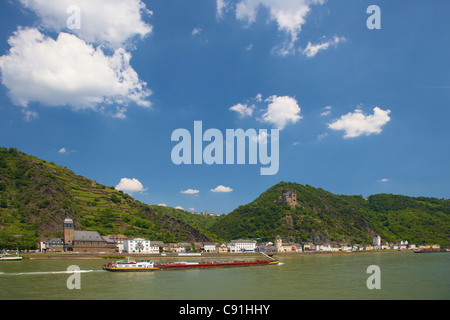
x=86, y=241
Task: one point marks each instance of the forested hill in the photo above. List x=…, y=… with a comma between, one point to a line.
x=321, y=216
x=36, y=196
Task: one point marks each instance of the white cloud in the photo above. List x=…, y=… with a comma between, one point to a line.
x=261, y=138
x=222, y=189
x=112, y=23
x=62, y=151
x=162, y=205
x=178, y=207
x=67, y=71
x=357, y=123
x=312, y=49
x=322, y=136
x=28, y=114
x=384, y=180
x=130, y=185
x=281, y=111
x=290, y=15
x=221, y=7
x=243, y=109
x=327, y=111
x=190, y=191
x=196, y=31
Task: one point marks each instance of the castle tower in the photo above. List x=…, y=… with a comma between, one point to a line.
x=69, y=232
x=288, y=198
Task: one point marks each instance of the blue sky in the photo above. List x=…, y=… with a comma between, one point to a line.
x=361, y=111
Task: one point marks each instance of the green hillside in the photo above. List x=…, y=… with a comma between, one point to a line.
x=36, y=196
x=325, y=217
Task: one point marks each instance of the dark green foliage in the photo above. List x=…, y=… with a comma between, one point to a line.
x=325, y=217
x=36, y=196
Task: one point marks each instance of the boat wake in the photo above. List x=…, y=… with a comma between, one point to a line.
x=44, y=272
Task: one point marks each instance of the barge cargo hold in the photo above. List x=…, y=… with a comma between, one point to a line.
x=144, y=266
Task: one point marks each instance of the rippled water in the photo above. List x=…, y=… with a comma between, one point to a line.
x=403, y=276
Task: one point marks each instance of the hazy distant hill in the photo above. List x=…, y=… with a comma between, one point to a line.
x=36, y=196
x=325, y=217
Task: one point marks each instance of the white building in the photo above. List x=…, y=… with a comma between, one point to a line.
x=139, y=245
x=323, y=247
x=377, y=240
x=209, y=247
x=242, y=245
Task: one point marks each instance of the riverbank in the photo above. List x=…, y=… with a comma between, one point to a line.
x=94, y=256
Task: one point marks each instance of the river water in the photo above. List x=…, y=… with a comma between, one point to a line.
x=403, y=275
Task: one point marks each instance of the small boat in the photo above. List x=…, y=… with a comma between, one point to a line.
x=147, y=265
x=8, y=257
x=131, y=266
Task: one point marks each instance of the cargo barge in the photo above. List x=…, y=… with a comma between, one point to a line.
x=148, y=265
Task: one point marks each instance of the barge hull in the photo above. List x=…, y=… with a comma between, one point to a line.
x=199, y=265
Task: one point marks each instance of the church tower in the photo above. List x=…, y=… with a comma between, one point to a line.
x=69, y=232
x=278, y=243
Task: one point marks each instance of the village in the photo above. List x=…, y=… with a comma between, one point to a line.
x=92, y=242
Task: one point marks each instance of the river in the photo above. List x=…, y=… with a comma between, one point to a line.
x=402, y=275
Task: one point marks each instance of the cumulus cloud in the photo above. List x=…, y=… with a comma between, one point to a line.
x=179, y=208
x=277, y=110
x=190, y=191
x=243, y=109
x=290, y=15
x=281, y=111
x=357, y=123
x=112, y=23
x=222, y=188
x=86, y=65
x=312, y=49
x=130, y=185
x=68, y=71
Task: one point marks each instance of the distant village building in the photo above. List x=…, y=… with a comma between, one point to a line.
x=290, y=246
x=139, y=245
x=377, y=240
x=222, y=248
x=209, y=247
x=242, y=246
x=288, y=198
x=86, y=241
x=118, y=239
x=266, y=247
x=52, y=245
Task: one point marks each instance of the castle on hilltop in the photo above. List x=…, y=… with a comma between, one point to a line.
x=289, y=198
